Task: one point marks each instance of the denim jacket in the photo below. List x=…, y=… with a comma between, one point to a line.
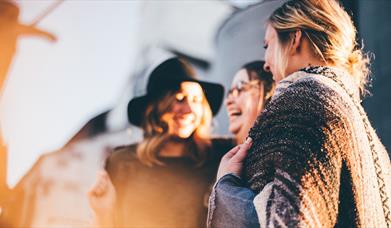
x=231, y=204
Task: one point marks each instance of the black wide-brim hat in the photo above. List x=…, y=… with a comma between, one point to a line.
x=166, y=77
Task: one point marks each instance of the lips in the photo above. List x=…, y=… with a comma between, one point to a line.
x=184, y=119
x=235, y=113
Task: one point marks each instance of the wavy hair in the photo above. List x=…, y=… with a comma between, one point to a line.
x=156, y=132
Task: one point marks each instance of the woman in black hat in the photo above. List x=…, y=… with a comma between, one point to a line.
x=164, y=180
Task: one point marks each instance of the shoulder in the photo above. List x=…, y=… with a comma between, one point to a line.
x=121, y=163
x=309, y=93
x=309, y=102
x=124, y=152
x=322, y=82
x=122, y=155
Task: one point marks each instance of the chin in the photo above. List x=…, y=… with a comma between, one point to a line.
x=185, y=134
x=234, y=128
x=234, y=132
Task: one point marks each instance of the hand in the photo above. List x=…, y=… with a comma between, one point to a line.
x=232, y=162
x=102, y=198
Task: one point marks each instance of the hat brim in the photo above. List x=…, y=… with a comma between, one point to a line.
x=214, y=94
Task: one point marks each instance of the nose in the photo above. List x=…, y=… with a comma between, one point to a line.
x=186, y=107
x=266, y=67
x=229, y=99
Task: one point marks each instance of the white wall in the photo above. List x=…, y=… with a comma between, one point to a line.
x=54, y=88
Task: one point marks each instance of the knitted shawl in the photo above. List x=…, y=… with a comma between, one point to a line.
x=316, y=160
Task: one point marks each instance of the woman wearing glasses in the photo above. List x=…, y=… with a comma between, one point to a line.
x=252, y=87
x=251, y=90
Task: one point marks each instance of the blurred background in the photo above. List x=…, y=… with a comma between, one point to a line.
x=63, y=105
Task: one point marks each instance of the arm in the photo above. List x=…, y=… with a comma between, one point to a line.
x=231, y=204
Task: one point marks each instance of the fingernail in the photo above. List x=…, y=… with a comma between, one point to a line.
x=248, y=140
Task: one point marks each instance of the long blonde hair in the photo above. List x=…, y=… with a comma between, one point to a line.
x=156, y=132
x=330, y=31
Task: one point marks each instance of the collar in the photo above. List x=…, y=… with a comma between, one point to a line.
x=342, y=78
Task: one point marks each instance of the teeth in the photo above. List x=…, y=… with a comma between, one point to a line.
x=185, y=120
x=235, y=113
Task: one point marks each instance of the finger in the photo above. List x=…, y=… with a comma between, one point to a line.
x=242, y=152
x=91, y=193
x=246, y=145
x=100, y=185
x=106, y=177
x=239, y=157
x=97, y=190
x=249, y=141
x=231, y=153
x=96, y=187
x=103, y=174
x=107, y=180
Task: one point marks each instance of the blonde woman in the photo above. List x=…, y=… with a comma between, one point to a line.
x=315, y=159
x=164, y=180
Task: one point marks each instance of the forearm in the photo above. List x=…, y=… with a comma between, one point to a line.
x=231, y=204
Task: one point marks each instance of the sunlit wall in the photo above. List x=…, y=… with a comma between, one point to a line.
x=54, y=88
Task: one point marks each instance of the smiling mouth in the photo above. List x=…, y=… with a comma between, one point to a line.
x=185, y=121
x=235, y=113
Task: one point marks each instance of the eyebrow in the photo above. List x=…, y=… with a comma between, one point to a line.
x=242, y=82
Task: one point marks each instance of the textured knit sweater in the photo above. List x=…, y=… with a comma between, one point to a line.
x=315, y=160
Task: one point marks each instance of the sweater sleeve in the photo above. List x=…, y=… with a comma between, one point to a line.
x=295, y=160
x=231, y=204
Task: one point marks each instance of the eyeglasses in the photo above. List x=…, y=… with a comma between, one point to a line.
x=242, y=87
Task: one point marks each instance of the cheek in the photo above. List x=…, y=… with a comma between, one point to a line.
x=269, y=57
x=250, y=106
x=198, y=111
x=174, y=108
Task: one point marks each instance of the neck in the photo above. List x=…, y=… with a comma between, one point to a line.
x=304, y=57
x=306, y=63
x=313, y=63
x=173, y=149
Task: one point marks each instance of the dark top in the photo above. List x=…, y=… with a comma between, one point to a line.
x=174, y=195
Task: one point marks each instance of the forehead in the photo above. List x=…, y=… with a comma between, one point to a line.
x=270, y=33
x=240, y=76
x=192, y=88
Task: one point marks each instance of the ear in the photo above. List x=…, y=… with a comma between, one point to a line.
x=296, y=42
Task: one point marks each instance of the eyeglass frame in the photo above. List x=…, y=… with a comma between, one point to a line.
x=243, y=87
